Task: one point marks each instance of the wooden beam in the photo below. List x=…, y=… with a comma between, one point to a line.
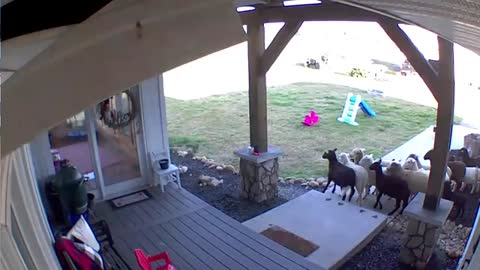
x=257, y=87
x=443, y=130
x=414, y=56
x=278, y=44
x=323, y=12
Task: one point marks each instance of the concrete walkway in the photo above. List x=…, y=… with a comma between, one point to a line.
x=423, y=142
x=340, y=229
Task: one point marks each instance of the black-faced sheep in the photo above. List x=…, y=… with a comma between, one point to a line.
x=340, y=174
x=457, y=168
x=393, y=186
x=467, y=159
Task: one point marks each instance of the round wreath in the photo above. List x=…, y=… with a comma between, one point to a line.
x=118, y=119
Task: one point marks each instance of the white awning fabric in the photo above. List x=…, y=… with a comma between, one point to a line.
x=124, y=43
x=454, y=20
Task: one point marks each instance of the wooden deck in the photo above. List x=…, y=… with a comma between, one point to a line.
x=196, y=235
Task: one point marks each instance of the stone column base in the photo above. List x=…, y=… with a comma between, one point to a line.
x=259, y=174
x=423, y=231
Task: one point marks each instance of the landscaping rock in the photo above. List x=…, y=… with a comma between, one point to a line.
x=182, y=153
x=183, y=169
x=299, y=181
x=321, y=180
x=219, y=168
x=230, y=168
x=313, y=184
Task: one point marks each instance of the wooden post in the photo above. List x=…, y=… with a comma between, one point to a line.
x=443, y=130
x=286, y=33
x=257, y=86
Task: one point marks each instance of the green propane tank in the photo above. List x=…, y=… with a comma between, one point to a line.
x=69, y=183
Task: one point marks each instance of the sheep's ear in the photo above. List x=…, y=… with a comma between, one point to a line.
x=334, y=150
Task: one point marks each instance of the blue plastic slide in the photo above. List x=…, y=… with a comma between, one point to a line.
x=366, y=109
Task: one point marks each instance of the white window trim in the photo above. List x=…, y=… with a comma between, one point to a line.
x=18, y=175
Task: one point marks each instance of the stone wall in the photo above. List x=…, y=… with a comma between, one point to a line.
x=418, y=246
x=259, y=180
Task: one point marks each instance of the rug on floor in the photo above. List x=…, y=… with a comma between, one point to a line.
x=130, y=199
x=290, y=240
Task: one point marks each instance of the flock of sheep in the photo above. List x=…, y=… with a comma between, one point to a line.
x=400, y=180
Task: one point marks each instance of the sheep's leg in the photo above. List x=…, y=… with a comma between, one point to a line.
x=397, y=205
x=352, y=191
x=473, y=189
x=366, y=192
x=328, y=184
x=378, y=202
x=334, y=187
x=405, y=203
x=360, y=192
x=463, y=185
x=457, y=213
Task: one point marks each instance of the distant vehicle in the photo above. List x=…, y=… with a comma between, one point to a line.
x=406, y=69
x=312, y=63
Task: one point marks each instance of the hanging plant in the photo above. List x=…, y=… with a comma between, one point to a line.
x=117, y=119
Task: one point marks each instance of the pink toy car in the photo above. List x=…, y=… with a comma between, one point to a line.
x=311, y=119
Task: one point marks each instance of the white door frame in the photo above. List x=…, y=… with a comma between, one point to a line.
x=125, y=186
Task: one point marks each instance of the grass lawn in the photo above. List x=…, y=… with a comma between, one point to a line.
x=216, y=126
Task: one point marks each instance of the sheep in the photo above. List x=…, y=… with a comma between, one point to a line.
x=458, y=199
x=365, y=162
x=357, y=154
x=472, y=177
x=417, y=180
x=411, y=164
x=361, y=176
x=469, y=161
x=457, y=169
x=391, y=185
x=340, y=174
x=419, y=164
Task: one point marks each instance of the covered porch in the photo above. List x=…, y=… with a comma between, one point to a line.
x=195, y=235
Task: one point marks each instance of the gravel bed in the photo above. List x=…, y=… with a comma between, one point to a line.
x=226, y=196
x=384, y=251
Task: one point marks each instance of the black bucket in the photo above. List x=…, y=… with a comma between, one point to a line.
x=163, y=164
x=91, y=201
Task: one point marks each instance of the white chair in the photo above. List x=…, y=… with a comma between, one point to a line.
x=164, y=177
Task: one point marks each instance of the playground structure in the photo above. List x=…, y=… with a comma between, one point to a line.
x=352, y=104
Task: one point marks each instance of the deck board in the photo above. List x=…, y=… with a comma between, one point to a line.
x=196, y=235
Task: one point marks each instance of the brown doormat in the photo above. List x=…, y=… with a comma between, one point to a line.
x=289, y=240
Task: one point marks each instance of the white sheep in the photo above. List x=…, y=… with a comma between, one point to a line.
x=366, y=162
x=412, y=165
x=356, y=155
x=361, y=175
x=472, y=177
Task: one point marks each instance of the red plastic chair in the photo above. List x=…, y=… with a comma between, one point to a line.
x=144, y=260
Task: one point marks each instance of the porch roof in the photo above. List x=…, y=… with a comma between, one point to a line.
x=455, y=20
